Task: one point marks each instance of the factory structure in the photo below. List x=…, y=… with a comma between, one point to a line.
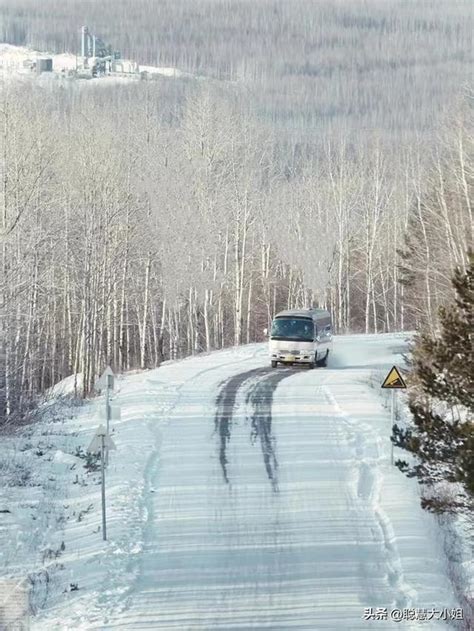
x=97, y=59
x=93, y=59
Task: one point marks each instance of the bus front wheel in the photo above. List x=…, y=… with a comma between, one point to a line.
x=324, y=361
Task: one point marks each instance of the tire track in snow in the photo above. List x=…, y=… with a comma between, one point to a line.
x=225, y=404
x=260, y=397
x=263, y=382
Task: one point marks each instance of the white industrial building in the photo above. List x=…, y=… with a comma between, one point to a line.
x=97, y=59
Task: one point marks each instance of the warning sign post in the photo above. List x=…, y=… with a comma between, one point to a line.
x=393, y=381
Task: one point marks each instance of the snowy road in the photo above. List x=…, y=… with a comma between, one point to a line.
x=268, y=499
x=266, y=512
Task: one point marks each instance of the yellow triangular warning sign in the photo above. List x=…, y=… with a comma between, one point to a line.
x=394, y=379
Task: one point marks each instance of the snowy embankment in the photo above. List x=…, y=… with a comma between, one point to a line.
x=239, y=497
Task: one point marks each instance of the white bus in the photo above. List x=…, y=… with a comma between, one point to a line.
x=301, y=336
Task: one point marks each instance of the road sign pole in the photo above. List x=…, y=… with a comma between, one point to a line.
x=107, y=416
x=107, y=406
x=392, y=416
x=102, y=443
x=102, y=469
x=109, y=386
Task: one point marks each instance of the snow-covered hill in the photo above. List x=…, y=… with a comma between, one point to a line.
x=239, y=497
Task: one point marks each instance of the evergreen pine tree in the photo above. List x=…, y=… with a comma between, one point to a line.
x=442, y=402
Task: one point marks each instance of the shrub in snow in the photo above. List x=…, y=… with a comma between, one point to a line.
x=442, y=404
x=92, y=461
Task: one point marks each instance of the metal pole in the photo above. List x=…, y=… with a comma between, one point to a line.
x=392, y=418
x=107, y=413
x=107, y=405
x=102, y=468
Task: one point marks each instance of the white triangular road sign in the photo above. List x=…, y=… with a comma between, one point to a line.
x=107, y=378
x=96, y=444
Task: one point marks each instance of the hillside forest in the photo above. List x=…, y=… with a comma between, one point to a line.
x=313, y=154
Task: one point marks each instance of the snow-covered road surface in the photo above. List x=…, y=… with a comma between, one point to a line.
x=243, y=497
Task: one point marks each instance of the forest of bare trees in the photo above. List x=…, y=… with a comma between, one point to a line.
x=304, y=65
x=151, y=220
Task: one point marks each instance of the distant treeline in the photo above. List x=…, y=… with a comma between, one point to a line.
x=306, y=66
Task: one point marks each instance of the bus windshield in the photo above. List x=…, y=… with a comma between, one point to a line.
x=300, y=329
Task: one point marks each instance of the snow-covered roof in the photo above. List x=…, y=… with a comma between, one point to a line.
x=315, y=314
